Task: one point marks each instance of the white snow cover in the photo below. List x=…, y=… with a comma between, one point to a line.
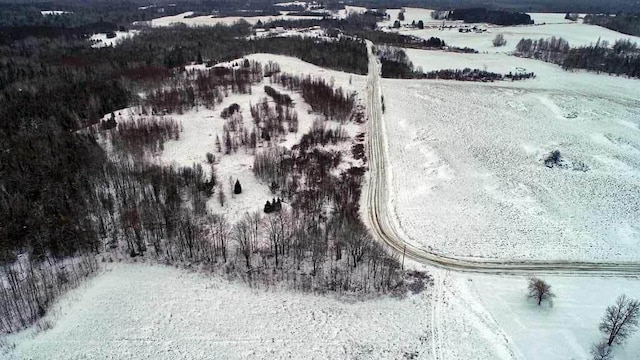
x=201, y=126
x=469, y=179
x=154, y=312
x=546, y=25
x=147, y=311
x=564, y=330
x=417, y=14
x=53, y=12
x=576, y=34
x=101, y=40
x=208, y=20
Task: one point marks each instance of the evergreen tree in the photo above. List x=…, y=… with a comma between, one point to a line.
x=237, y=188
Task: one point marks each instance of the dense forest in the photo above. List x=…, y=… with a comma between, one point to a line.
x=620, y=58
x=64, y=198
x=625, y=23
x=496, y=17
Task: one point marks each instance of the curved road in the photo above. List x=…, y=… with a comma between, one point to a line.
x=380, y=213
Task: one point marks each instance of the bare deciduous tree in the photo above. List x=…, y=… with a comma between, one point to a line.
x=620, y=320
x=242, y=235
x=601, y=351
x=539, y=290
x=222, y=198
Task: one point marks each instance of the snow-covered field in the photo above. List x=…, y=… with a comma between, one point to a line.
x=576, y=33
x=101, y=40
x=468, y=173
x=152, y=312
x=53, y=12
x=208, y=20
x=564, y=330
x=417, y=14
x=142, y=311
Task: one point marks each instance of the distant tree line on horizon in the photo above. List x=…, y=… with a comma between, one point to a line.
x=626, y=23
x=484, y=15
x=621, y=58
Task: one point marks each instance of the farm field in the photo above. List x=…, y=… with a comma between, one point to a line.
x=481, y=189
x=546, y=26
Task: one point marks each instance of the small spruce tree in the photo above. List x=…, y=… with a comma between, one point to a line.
x=237, y=188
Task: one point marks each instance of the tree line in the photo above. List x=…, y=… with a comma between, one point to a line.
x=484, y=15
x=621, y=58
x=396, y=65
x=626, y=23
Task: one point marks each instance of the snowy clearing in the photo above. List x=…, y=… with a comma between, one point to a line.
x=101, y=40
x=576, y=34
x=546, y=25
x=147, y=311
x=564, y=330
x=155, y=312
x=469, y=178
x=54, y=12
x=417, y=14
x=209, y=20
x=201, y=126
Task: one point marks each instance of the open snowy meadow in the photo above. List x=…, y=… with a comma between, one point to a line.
x=468, y=158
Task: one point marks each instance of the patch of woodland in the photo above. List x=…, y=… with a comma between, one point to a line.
x=335, y=104
x=621, y=58
x=495, y=17
x=626, y=23
x=62, y=196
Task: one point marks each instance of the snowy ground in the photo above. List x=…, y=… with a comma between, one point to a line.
x=101, y=40
x=576, y=33
x=141, y=311
x=480, y=189
x=208, y=20
x=417, y=14
x=154, y=312
x=564, y=330
x=201, y=126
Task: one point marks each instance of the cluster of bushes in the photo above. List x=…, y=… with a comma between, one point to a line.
x=273, y=206
x=147, y=133
x=271, y=120
x=333, y=103
x=468, y=74
x=279, y=98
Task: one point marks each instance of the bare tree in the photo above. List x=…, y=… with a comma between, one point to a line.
x=539, y=290
x=222, y=198
x=601, y=351
x=499, y=40
x=620, y=320
x=242, y=235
